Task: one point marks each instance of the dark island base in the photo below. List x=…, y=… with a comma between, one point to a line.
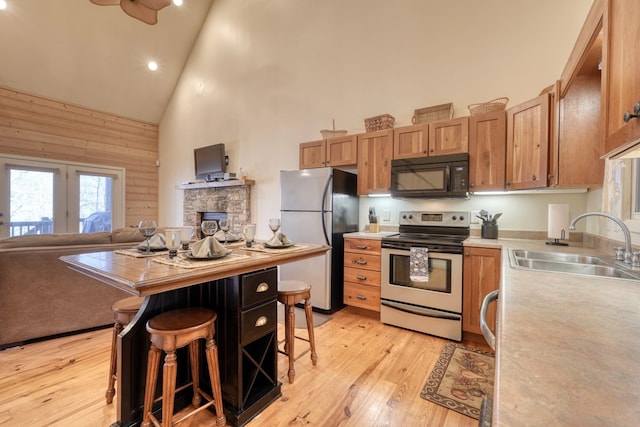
x=247, y=348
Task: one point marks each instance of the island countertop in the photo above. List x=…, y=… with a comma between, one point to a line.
x=144, y=276
x=567, y=345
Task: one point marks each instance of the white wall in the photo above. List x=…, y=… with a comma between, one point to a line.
x=265, y=76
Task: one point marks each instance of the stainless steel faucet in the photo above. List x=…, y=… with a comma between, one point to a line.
x=628, y=253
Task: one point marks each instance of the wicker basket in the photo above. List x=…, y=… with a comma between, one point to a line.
x=328, y=134
x=384, y=121
x=498, y=104
x=433, y=113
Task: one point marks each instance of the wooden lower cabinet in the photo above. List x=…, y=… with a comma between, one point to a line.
x=481, y=275
x=362, y=273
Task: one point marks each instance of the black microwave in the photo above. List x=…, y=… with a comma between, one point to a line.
x=431, y=177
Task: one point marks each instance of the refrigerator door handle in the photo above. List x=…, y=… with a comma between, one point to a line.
x=323, y=210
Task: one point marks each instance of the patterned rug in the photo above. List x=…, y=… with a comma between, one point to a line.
x=462, y=377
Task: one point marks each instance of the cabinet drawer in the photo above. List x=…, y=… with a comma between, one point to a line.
x=259, y=287
x=258, y=321
x=363, y=277
x=362, y=296
x=367, y=246
x=362, y=261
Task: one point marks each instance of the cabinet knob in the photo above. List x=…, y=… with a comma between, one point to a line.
x=360, y=261
x=550, y=176
x=636, y=113
x=362, y=247
x=507, y=183
x=472, y=185
x=361, y=277
x=533, y=178
x=467, y=254
x=361, y=297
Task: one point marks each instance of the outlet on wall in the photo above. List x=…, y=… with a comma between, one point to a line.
x=474, y=217
x=386, y=215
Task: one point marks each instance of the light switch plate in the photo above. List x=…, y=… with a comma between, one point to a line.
x=386, y=215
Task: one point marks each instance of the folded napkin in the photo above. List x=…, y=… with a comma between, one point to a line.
x=419, y=264
x=280, y=239
x=157, y=242
x=230, y=236
x=208, y=247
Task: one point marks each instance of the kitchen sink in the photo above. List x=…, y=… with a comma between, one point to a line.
x=571, y=263
x=558, y=257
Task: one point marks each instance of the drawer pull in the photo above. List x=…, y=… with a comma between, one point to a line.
x=361, y=262
x=361, y=277
x=361, y=297
x=362, y=247
x=262, y=287
x=261, y=321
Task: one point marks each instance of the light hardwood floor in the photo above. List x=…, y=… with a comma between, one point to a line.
x=368, y=374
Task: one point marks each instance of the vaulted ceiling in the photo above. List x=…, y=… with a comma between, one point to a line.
x=96, y=56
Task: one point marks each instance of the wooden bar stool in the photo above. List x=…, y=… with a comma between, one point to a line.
x=123, y=312
x=170, y=331
x=291, y=292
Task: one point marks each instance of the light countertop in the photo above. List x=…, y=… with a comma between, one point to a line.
x=568, y=345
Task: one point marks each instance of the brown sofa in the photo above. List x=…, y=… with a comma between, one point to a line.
x=41, y=297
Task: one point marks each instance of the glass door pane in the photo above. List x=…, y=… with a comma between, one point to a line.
x=95, y=203
x=31, y=195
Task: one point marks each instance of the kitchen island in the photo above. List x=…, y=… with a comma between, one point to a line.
x=241, y=288
x=566, y=345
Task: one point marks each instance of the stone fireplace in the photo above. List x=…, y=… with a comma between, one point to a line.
x=230, y=197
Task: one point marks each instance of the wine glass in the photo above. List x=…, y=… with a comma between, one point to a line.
x=225, y=225
x=209, y=228
x=148, y=228
x=186, y=233
x=274, y=225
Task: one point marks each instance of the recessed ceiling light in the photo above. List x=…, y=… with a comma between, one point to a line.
x=152, y=65
x=177, y=2
x=3, y=4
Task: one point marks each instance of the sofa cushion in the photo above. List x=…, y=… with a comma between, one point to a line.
x=63, y=239
x=126, y=235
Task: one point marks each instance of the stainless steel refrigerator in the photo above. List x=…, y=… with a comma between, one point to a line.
x=319, y=206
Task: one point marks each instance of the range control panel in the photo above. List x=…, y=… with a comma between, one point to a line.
x=435, y=219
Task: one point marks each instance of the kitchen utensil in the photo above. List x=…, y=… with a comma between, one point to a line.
x=496, y=216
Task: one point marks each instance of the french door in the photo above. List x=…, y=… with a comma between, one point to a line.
x=40, y=197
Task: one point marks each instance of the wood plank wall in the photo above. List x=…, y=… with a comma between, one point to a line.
x=40, y=127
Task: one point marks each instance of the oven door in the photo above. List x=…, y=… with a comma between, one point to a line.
x=443, y=291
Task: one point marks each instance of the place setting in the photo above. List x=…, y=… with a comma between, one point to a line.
x=204, y=252
x=278, y=243
x=154, y=244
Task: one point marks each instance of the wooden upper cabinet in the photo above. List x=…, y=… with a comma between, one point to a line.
x=312, y=154
x=411, y=141
x=375, y=151
x=621, y=75
x=341, y=151
x=487, y=151
x=449, y=136
x=528, y=144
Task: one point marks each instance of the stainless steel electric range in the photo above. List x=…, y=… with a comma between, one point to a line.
x=434, y=306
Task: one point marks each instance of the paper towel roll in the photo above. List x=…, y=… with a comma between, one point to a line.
x=558, y=221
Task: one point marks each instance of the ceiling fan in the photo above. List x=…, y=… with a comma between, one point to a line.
x=144, y=10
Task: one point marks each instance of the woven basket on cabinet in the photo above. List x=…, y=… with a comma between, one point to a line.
x=498, y=104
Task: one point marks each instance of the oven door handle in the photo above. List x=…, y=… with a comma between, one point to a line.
x=387, y=245
x=420, y=311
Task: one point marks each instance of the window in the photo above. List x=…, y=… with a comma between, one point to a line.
x=40, y=197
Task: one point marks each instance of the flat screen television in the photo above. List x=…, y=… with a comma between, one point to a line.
x=210, y=162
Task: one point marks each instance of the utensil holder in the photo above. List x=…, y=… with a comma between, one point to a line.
x=374, y=228
x=489, y=231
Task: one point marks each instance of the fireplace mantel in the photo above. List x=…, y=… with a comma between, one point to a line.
x=215, y=184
